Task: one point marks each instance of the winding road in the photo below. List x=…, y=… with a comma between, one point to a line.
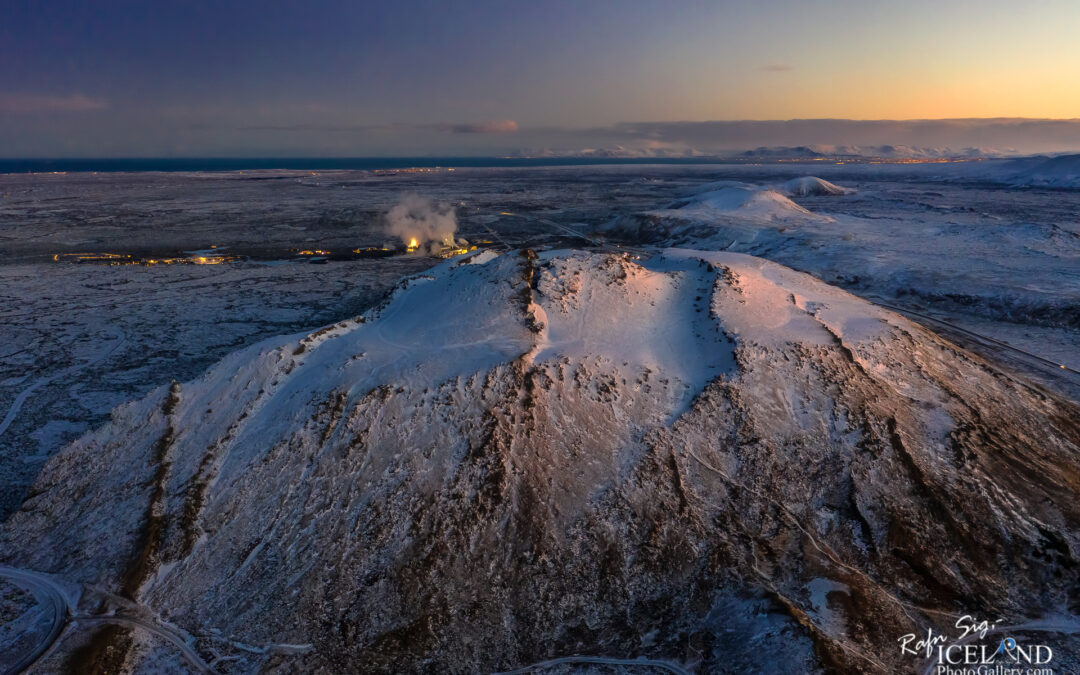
x=49, y=594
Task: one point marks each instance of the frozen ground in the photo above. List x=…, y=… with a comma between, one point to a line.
x=959, y=244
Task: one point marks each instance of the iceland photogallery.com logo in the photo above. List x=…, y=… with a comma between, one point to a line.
x=980, y=648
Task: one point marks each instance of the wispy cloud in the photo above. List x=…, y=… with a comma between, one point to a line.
x=25, y=102
x=776, y=67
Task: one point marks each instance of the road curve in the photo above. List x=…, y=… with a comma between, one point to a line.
x=48, y=593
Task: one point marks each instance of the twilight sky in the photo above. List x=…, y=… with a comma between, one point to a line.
x=354, y=78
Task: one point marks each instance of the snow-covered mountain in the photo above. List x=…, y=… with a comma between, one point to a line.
x=701, y=458
x=896, y=152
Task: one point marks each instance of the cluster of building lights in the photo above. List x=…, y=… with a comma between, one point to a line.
x=213, y=258
x=127, y=259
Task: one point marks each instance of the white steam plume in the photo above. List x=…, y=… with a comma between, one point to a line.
x=422, y=223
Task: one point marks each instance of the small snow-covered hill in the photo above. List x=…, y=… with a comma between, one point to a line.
x=715, y=216
x=812, y=186
x=700, y=457
x=741, y=200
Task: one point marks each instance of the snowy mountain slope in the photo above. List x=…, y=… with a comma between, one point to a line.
x=544, y=455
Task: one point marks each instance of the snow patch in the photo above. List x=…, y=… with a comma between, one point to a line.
x=481, y=258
